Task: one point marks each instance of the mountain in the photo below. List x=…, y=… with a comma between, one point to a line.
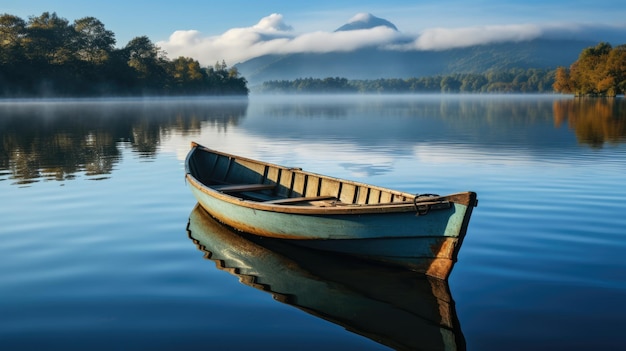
x=546, y=52
x=365, y=21
x=374, y=63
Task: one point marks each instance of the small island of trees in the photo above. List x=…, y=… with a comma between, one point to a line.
x=46, y=56
x=599, y=71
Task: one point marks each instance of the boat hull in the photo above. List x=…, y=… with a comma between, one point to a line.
x=426, y=244
x=397, y=233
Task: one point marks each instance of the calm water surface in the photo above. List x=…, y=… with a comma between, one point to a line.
x=94, y=209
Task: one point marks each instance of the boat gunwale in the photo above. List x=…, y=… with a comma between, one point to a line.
x=464, y=198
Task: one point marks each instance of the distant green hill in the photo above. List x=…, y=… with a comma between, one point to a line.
x=377, y=63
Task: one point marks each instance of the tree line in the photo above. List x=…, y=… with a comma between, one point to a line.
x=48, y=56
x=599, y=71
x=509, y=81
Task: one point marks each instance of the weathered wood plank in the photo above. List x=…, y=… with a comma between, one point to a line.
x=329, y=187
x=313, y=186
x=299, y=199
x=348, y=193
x=299, y=184
x=237, y=188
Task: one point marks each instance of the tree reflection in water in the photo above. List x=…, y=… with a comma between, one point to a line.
x=595, y=121
x=60, y=139
x=56, y=139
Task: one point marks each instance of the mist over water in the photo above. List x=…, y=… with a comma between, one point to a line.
x=94, y=214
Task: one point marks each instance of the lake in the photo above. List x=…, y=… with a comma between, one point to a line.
x=96, y=254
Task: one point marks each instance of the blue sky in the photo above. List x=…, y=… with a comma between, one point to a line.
x=232, y=29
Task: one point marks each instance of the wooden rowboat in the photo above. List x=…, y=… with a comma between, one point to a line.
x=421, y=232
x=395, y=307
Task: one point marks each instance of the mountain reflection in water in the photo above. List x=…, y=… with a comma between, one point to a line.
x=397, y=308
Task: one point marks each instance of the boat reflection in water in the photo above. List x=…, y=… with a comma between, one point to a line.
x=398, y=308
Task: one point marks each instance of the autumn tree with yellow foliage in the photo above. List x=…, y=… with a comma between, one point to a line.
x=599, y=71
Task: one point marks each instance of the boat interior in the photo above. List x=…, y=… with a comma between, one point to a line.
x=268, y=183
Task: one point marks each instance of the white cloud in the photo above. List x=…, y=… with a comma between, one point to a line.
x=363, y=16
x=272, y=23
x=447, y=38
x=271, y=35
x=237, y=44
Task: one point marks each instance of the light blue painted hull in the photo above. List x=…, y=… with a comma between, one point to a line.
x=447, y=223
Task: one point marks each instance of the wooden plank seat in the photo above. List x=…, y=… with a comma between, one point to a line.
x=293, y=200
x=238, y=188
